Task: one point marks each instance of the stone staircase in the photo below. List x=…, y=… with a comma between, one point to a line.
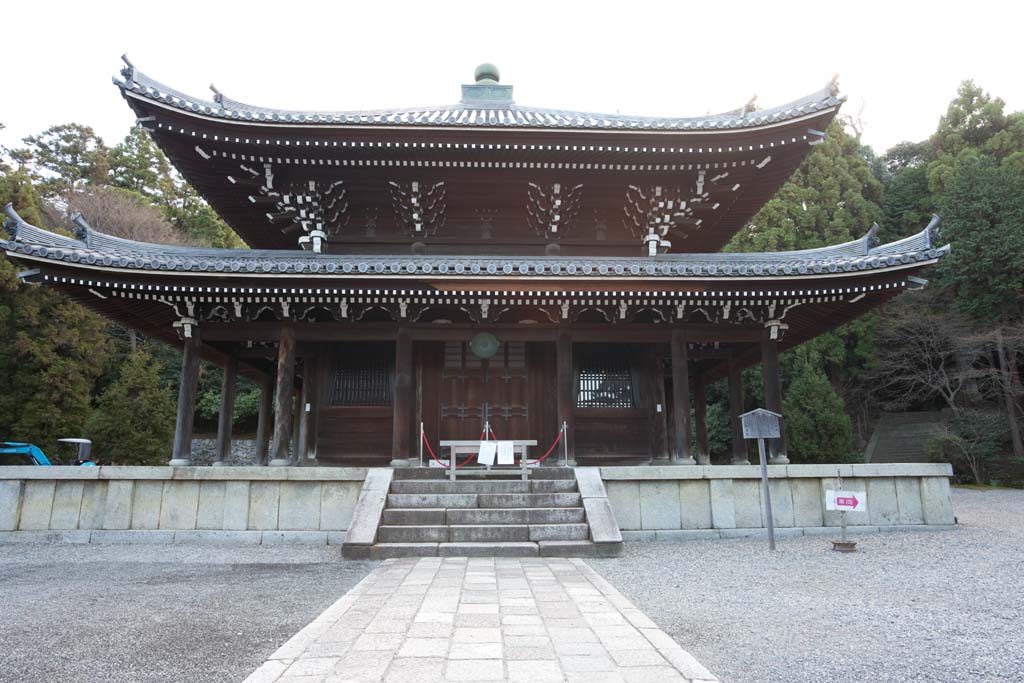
x=493, y=514
x=904, y=437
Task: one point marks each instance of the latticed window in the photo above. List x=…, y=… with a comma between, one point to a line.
x=605, y=379
x=362, y=379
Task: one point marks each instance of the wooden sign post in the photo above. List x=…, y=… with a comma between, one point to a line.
x=763, y=424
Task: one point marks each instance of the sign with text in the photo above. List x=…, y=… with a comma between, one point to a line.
x=760, y=424
x=849, y=501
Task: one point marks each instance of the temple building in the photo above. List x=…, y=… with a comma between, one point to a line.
x=478, y=263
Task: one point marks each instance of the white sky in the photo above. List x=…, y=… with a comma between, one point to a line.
x=899, y=62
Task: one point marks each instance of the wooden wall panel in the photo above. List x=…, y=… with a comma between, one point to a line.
x=354, y=435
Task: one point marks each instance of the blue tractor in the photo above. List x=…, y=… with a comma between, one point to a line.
x=15, y=453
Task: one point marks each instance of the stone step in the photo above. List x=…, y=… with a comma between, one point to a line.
x=432, y=500
x=414, y=517
x=434, y=473
x=384, y=551
x=488, y=533
x=525, y=549
x=578, y=549
x=528, y=500
x=559, y=532
x=539, y=515
x=414, y=534
x=483, y=486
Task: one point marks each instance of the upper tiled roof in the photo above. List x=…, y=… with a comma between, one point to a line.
x=474, y=114
x=92, y=248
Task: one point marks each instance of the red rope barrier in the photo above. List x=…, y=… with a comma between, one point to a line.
x=550, y=450
x=430, y=450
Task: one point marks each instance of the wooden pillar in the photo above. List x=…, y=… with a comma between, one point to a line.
x=283, y=389
x=296, y=457
x=181, y=455
x=403, y=402
x=307, y=423
x=700, y=416
x=566, y=393
x=659, y=433
x=773, y=397
x=739, y=444
x=681, y=397
x=227, y=412
x=263, y=422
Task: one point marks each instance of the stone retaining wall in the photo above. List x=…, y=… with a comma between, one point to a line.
x=140, y=504
x=662, y=503
x=315, y=504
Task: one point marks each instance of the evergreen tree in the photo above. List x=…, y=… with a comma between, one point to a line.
x=66, y=156
x=817, y=426
x=133, y=423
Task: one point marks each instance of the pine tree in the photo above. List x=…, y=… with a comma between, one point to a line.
x=133, y=423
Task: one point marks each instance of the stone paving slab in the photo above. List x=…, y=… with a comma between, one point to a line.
x=481, y=619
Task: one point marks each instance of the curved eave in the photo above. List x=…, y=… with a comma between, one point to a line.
x=98, y=252
x=139, y=88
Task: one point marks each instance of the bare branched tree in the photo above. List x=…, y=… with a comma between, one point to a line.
x=123, y=213
x=924, y=354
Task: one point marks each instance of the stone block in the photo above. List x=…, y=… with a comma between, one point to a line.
x=559, y=532
x=180, y=505
x=337, y=504
x=747, y=503
x=687, y=534
x=236, y=505
x=135, y=472
x=37, y=505
x=818, y=471
x=639, y=536
x=117, y=509
x=588, y=479
x=10, y=504
x=808, y=504
x=67, y=504
x=514, y=500
x=218, y=537
x=210, y=514
x=366, y=517
x=130, y=536
x=908, y=500
x=94, y=502
x=723, y=510
x=294, y=537
x=47, y=536
x=335, y=537
x=146, y=504
x=832, y=518
x=487, y=550
x=695, y=504
x=899, y=469
x=378, y=479
x=624, y=497
x=782, y=503
x=883, y=509
x=300, y=506
x=935, y=501
x=264, y=501
x=742, y=472
x=659, y=505
x=603, y=527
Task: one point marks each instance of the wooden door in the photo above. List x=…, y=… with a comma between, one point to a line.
x=473, y=391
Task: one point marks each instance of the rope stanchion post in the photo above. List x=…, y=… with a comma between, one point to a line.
x=565, y=442
x=423, y=436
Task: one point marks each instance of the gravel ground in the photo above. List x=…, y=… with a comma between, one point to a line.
x=916, y=606
x=143, y=614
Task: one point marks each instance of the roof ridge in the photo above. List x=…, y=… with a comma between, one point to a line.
x=221, y=106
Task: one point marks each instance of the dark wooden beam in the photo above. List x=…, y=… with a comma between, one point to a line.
x=566, y=390
x=773, y=396
x=402, y=414
x=681, y=397
x=227, y=410
x=739, y=444
x=181, y=456
x=283, y=391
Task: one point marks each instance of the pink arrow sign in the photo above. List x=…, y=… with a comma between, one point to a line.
x=845, y=500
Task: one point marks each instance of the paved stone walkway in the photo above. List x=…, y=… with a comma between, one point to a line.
x=481, y=619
